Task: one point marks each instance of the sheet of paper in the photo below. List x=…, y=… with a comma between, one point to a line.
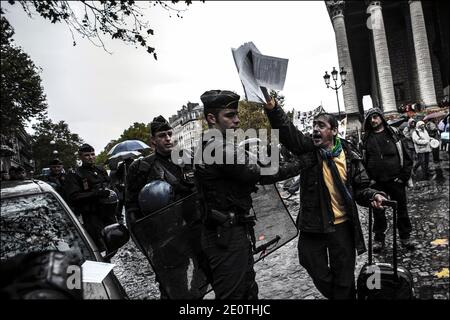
x=244, y=65
x=257, y=70
x=95, y=272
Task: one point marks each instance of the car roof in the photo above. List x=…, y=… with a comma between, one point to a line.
x=24, y=187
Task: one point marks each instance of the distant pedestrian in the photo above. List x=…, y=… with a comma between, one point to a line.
x=408, y=141
x=443, y=127
x=434, y=133
x=422, y=146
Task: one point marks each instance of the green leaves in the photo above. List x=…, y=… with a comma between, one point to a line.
x=66, y=143
x=21, y=94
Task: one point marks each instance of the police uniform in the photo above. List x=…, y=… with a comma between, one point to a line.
x=228, y=235
x=158, y=167
x=57, y=181
x=85, y=189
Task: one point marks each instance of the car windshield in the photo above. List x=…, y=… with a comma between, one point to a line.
x=38, y=222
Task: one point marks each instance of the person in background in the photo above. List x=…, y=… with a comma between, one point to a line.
x=389, y=165
x=434, y=133
x=422, y=146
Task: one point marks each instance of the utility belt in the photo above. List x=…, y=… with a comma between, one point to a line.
x=223, y=223
x=228, y=219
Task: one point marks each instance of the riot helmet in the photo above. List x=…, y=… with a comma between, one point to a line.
x=155, y=195
x=108, y=205
x=115, y=236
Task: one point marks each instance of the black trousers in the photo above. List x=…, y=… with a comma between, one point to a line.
x=397, y=192
x=423, y=161
x=231, y=266
x=94, y=224
x=329, y=258
x=435, y=153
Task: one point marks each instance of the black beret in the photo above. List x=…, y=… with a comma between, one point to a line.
x=220, y=99
x=56, y=162
x=159, y=123
x=85, y=148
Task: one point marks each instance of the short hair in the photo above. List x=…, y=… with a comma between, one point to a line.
x=214, y=111
x=331, y=119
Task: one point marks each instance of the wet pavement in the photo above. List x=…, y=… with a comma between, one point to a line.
x=280, y=276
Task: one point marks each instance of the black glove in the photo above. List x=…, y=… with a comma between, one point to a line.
x=102, y=193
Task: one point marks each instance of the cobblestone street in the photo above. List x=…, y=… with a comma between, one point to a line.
x=280, y=276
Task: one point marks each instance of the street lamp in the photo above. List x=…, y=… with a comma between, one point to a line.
x=334, y=75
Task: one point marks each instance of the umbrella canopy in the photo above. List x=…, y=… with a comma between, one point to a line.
x=114, y=160
x=128, y=145
x=397, y=122
x=435, y=115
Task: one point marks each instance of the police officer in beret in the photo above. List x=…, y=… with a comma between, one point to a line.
x=158, y=167
x=56, y=178
x=228, y=235
x=86, y=189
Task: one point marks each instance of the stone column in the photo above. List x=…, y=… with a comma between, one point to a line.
x=336, y=11
x=424, y=69
x=376, y=23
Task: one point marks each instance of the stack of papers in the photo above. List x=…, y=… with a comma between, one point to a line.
x=259, y=73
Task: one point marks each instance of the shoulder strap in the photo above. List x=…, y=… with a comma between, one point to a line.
x=144, y=165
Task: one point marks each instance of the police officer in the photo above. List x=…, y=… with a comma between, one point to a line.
x=86, y=190
x=228, y=235
x=158, y=171
x=56, y=178
x=157, y=166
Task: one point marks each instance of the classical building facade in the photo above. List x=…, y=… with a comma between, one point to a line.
x=396, y=52
x=187, y=125
x=15, y=151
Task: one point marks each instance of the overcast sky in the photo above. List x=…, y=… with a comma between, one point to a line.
x=100, y=94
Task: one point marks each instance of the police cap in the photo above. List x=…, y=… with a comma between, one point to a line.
x=159, y=124
x=85, y=148
x=220, y=99
x=55, y=162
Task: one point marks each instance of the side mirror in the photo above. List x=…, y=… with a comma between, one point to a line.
x=114, y=236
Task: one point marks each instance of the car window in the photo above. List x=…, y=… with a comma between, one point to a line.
x=38, y=222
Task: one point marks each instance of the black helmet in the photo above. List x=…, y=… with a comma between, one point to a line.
x=155, y=195
x=108, y=205
x=111, y=199
x=115, y=236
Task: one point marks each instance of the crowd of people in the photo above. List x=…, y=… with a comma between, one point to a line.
x=216, y=225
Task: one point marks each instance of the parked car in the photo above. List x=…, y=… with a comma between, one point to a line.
x=34, y=218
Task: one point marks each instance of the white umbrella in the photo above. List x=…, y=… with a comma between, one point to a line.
x=128, y=145
x=114, y=160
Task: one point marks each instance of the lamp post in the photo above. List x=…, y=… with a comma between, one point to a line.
x=334, y=75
